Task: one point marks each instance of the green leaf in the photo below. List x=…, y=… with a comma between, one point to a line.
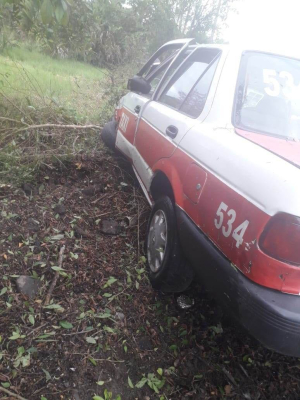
x=31, y=319
x=3, y=291
x=103, y=315
x=110, y=282
x=100, y=383
x=98, y=398
x=5, y=384
x=48, y=376
x=64, y=5
x=54, y=307
x=46, y=335
x=65, y=324
x=16, y=335
x=94, y=362
x=130, y=383
x=108, y=329
x=91, y=340
x=141, y=383
x=160, y=371
x=65, y=19
x=25, y=360
x=59, y=13
x=43, y=398
x=57, y=269
x=47, y=12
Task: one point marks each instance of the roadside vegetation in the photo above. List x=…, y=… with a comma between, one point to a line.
x=37, y=92
x=27, y=74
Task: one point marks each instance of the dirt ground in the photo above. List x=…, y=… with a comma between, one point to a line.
x=106, y=333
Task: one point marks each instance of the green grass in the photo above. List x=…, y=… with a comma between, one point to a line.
x=27, y=76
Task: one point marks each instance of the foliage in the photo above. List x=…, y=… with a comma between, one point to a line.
x=155, y=383
x=111, y=32
x=36, y=89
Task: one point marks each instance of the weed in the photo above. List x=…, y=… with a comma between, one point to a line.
x=35, y=90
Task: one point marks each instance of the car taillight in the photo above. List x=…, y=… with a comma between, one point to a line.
x=281, y=238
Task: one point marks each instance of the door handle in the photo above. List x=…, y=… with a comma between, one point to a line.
x=137, y=109
x=172, y=131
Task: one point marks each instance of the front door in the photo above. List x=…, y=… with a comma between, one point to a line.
x=133, y=103
x=165, y=121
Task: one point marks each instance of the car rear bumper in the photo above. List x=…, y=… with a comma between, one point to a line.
x=270, y=316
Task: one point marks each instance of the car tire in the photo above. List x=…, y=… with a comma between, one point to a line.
x=109, y=134
x=168, y=269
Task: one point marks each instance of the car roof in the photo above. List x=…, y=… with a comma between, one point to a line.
x=286, y=50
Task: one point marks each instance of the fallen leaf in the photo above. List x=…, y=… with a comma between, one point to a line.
x=227, y=389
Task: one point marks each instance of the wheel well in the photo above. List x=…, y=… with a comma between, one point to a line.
x=161, y=186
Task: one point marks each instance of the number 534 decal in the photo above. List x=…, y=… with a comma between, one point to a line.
x=227, y=227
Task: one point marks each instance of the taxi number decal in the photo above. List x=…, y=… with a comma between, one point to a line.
x=281, y=82
x=238, y=233
x=124, y=122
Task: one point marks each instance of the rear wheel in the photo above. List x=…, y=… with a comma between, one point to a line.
x=169, y=271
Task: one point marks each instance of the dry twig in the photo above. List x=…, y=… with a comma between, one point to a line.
x=52, y=286
x=42, y=126
x=11, y=394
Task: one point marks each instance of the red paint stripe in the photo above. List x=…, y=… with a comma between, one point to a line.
x=248, y=258
x=287, y=149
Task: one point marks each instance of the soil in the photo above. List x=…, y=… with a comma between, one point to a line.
x=105, y=328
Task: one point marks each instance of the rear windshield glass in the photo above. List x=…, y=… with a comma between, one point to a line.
x=268, y=95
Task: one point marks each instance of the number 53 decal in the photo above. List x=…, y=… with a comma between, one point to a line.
x=238, y=233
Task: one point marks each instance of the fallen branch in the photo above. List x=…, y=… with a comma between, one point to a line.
x=52, y=286
x=13, y=120
x=42, y=126
x=16, y=396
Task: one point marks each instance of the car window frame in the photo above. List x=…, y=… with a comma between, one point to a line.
x=156, y=72
x=163, y=48
x=176, y=73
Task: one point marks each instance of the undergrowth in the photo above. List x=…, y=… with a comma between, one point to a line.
x=36, y=90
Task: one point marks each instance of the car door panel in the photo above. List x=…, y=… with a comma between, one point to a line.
x=151, y=140
x=162, y=125
x=128, y=117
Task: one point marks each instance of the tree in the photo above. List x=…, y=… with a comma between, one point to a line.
x=201, y=19
x=111, y=32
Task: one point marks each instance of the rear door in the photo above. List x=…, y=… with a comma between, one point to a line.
x=132, y=104
x=165, y=120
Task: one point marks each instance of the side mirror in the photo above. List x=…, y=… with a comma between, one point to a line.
x=139, y=84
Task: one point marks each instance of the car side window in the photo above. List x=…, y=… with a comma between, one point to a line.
x=154, y=81
x=196, y=99
x=166, y=54
x=186, y=80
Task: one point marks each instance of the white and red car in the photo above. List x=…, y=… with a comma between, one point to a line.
x=213, y=133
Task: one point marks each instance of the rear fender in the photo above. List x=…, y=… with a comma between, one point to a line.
x=167, y=167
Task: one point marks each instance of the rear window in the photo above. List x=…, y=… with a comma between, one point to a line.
x=268, y=95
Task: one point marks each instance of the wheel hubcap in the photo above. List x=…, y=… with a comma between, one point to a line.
x=157, y=240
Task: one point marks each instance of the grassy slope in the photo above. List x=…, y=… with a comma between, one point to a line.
x=28, y=76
